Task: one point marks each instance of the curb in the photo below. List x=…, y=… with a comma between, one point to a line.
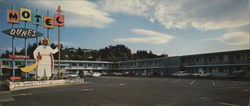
x=39, y=84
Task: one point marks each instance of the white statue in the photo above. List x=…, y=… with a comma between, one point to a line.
x=43, y=55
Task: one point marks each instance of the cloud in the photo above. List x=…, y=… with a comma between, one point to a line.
x=79, y=13
x=199, y=14
x=149, y=37
x=235, y=38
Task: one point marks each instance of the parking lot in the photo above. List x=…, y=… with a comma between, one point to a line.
x=139, y=91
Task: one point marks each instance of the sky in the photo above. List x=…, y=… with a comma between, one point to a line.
x=173, y=27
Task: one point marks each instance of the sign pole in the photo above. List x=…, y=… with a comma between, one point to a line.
x=13, y=49
x=48, y=28
x=37, y=38
x=59, y=44
x=25, y=47
x=59, y=52
x=37, y=30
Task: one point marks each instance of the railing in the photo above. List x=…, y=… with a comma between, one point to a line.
x=217, y=62
x=87, y=67
x=124, y=68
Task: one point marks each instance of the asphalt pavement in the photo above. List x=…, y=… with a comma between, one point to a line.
x=136, y=91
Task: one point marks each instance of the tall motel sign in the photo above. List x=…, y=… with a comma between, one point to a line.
x=37, y=19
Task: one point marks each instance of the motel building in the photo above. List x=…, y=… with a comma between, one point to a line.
x=67, y=67
x=144, y=67
x=84, y=67
x=219, y=64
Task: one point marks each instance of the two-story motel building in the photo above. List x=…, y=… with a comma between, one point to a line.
x=220, y=64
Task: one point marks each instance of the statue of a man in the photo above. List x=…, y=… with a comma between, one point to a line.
x=43, y=55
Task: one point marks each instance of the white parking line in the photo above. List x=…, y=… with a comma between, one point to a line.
x=22, y=94
x=213, y=83
x=121, y=84
x=87, y=89
x=161, y=80
x=228, y=104
x=191, y=83
x=174, y=81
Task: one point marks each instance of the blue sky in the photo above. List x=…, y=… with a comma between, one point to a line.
x=174, y=27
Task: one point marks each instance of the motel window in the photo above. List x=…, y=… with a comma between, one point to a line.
x=107, y=65
x=73, y=64
x=6, y=63
x=30, y=62
x=211, y=58
x=225, y=57
x=150, y=63
x=89, y=65
x=238, y=57
x=18, y=63
x=238, y=69
x=192, y=60
x=221, y=58
x=99, y=65
x=80, y=64
x=143, y=63
x=85, y=65
x=243, y=57
x=221, y=70
x=95, y=65
x=198, y=59
x=205, y=59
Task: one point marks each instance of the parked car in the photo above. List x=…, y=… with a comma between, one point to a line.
x=116, y=74
x=86, y=73
x=104, y=74
x=96, y=74
x=128, y=74
x=154, y=74
x=202, y=74
x=181, y=74
x=70, y=75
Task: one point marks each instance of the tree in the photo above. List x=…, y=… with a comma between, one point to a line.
x=111, y=53
x=115, y=53
x=5, y=55
x=143, y=54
